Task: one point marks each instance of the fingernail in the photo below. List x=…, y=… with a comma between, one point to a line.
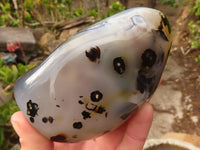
x=15, y=123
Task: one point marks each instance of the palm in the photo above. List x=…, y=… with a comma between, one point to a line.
x=131, y=135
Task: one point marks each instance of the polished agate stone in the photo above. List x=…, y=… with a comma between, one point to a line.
x=92, y=83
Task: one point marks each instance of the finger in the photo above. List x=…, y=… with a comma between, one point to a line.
x=111, y=139
x=30, y=139
x=107, y=141
x=137, y=129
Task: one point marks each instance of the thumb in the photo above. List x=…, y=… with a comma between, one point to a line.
x=30, y=139
x=137, y=129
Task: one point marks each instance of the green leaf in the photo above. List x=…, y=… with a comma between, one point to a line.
x=196, y=59
x=1, y=136
x=6, y=115
x=1, y=63
x=29, y=4
x=15, y=72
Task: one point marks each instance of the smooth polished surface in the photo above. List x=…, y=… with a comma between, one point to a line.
x=95, y=81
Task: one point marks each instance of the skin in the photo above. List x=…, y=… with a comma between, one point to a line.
x=130, y=136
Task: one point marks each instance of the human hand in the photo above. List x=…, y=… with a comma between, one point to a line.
x=130, y=136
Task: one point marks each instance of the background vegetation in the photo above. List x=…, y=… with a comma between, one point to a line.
x=8, y=75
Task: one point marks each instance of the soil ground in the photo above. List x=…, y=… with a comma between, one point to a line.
x=189, y=85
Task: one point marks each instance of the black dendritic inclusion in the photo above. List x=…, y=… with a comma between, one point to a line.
x=44, y=119
x=146, y=78
x=32, y=119
x=148, y=58
x=86, y=115
x=59, y=138
x=119, y=65
x=93, y=54
x=77, y=125
x=32, y=109
x=51, y=119
x=144, y=83
x=100, y=110
x=80, y=102
x=96, y=96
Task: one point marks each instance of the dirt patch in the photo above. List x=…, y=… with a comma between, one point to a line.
x=190, y=87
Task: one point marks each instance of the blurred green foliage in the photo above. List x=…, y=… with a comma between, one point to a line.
x=77, y=12
x=29, y=5
x=196, y=8
x=31, y=11
x=8, y=136
x=52, y=11
x=194, y=26
x=8, y=75
x=172, y=3
x=114, y=8
x=93, y=13
x=6, y=17
x=197, y=59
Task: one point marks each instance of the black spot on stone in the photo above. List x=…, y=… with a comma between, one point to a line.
x=119, y=65
x=57, y=105
x=96, y=96
x=106, y=114
x=59, y=138
x=81, y=96
x=93, y=54
x=80, y=102
x=86, y=115
x=77, y=125
x=50, y=119
x=145, y=83
x=100, y=110
x=32, y=108
x=32, y=119
x=44, y=120
x=148, y=58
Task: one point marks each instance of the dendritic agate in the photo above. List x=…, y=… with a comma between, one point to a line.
x=92, y=83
